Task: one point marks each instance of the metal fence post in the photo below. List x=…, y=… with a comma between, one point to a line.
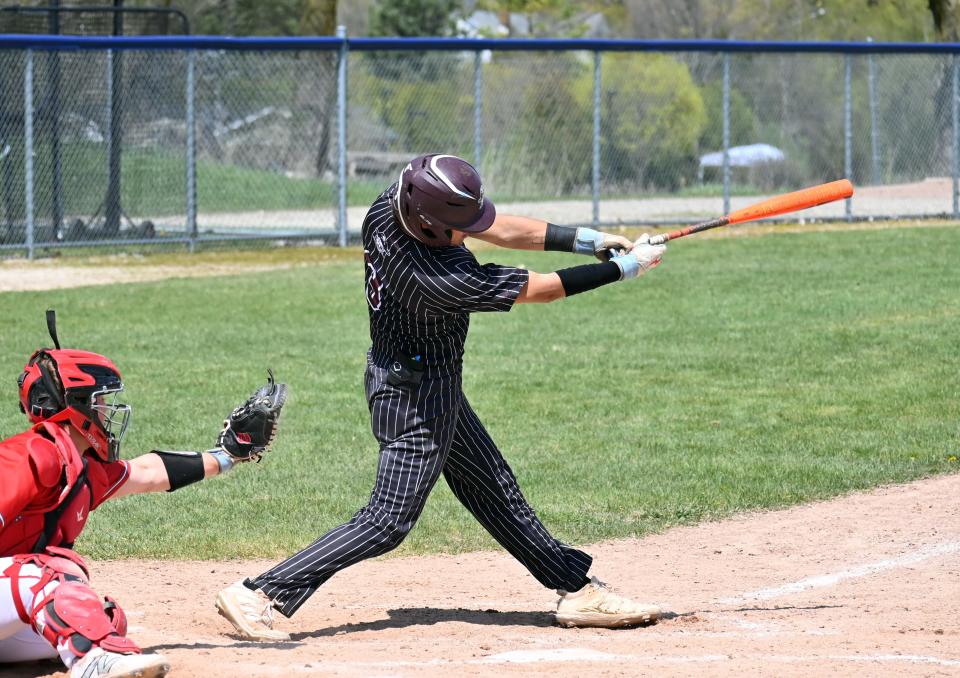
x=847, y=130
x=342, y=137
x=872, y=93
x=28, y=147
x=956, y=134
x=112, y=209
x=726, y=132
x=597, y=56
x=191, y=152
x=477, y=108
x=52, y=117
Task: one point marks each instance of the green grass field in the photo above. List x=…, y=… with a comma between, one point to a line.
x=744, y=373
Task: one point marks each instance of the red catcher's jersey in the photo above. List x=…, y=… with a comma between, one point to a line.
x=39, y=467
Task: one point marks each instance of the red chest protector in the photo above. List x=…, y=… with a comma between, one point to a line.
x=58, y=514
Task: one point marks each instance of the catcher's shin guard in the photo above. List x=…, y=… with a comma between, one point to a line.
x=65, y=610
x=73, y=617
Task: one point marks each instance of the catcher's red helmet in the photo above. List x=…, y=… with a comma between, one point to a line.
x=68, y=385
x=439, y=193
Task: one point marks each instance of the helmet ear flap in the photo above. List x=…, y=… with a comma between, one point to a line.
x=42, y=404
x=44, y=396
x=50, y=383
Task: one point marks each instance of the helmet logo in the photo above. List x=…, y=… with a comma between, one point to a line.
x=434, y=165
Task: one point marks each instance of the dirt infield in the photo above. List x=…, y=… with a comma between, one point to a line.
x=867, y=584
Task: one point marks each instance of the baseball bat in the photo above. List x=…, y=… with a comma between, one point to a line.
x=780, y=204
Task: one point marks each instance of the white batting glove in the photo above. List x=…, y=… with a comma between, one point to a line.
x=597, y=243
x=640, y=259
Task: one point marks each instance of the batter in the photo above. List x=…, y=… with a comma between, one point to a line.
x=422, y=284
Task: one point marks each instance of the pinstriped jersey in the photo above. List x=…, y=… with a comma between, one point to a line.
x=420, y=298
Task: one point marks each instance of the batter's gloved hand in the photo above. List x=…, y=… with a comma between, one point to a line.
x=599, y=244
x=641, y=258
x=251, y=427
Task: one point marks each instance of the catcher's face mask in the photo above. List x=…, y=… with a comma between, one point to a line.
x=114, y=417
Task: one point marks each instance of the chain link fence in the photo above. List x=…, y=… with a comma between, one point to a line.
x=117, y=142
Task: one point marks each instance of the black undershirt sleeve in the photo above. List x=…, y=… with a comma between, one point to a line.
x=588, y=276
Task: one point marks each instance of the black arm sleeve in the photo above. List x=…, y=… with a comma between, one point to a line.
x=588, y=276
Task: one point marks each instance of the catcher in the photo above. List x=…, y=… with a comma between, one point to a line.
x=66, y=465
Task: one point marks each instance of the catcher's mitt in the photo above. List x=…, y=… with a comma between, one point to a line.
x=249, y=430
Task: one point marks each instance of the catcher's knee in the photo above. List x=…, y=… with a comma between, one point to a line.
x=54, y=563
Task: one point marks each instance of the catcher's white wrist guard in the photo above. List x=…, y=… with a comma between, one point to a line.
x=224, y=460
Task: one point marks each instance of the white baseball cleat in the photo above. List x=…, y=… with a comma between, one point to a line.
x=99, y=663
x=596, y=605
x=250, y=612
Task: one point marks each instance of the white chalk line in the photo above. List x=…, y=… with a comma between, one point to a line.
x=823, y=581
x=573, y=654
x=579, y=654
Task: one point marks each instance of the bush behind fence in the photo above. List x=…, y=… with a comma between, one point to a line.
x=118, y=141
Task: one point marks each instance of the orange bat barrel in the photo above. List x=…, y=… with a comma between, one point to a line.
x=792, y=202
x=781, y=204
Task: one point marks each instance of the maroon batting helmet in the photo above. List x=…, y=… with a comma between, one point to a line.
x=440, y=193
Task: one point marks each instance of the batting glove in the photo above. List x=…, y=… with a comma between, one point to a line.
x=640, y=259
x=597, y=243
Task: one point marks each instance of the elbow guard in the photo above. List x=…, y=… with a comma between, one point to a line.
x=183, y=468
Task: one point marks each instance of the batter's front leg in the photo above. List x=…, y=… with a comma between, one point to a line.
x=412, y=455
x=404, y=481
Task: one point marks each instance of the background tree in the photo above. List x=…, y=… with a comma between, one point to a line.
x=414, y=18
x=417, y=95
x=680, y=19
x=653, y=116
x=946, y=19
x=313, y=103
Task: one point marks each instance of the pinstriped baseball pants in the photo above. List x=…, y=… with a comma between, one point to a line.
x=426, y=430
